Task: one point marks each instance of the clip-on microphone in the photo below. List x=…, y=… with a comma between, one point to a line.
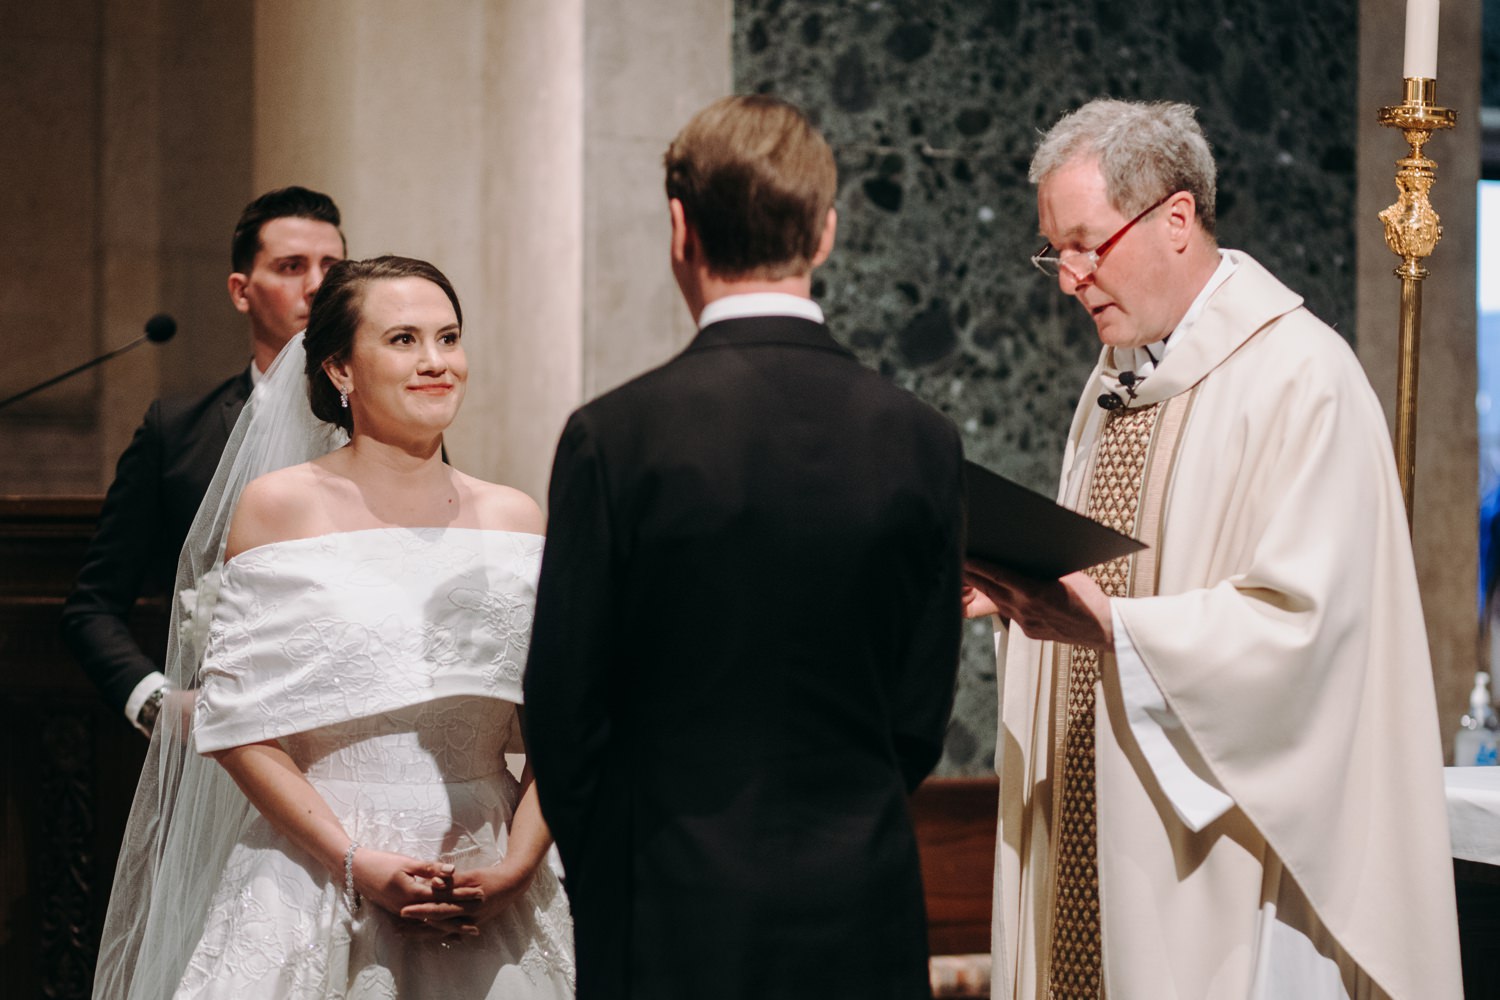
x=1112, y=400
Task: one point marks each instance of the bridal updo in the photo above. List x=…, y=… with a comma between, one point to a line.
x=335, y=316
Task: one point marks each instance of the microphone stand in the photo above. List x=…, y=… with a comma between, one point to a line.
x=159, y=329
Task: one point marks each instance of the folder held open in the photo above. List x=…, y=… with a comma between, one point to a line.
x=1013, y=527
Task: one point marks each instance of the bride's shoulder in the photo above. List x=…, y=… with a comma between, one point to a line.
x=502, y=508
x=276, y=507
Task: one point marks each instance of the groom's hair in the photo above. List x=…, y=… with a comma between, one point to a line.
x=756, y=181
x=283, y=203
x=335, y=316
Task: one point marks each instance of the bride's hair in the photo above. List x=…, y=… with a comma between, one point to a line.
x=335, y=317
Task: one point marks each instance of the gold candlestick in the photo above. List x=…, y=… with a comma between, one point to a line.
x=1412, y=231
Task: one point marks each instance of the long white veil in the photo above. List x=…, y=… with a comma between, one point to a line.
x=187, y=812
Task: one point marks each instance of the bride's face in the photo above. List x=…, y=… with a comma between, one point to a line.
x=407, y=371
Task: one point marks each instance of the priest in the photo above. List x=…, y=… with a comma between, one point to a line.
x=1219, y=760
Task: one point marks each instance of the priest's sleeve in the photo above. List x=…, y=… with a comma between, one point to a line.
x=1287, y=637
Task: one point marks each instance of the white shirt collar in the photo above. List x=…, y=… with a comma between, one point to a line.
x=1138, y=360
x=759, y=304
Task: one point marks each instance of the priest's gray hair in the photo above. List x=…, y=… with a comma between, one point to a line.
x=1145, y=151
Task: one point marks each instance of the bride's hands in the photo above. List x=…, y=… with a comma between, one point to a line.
x=394, y=881
x=477, y=895
x=461, y=911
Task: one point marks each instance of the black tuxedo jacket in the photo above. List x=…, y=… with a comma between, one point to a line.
x=159, y=483
x=743, y=659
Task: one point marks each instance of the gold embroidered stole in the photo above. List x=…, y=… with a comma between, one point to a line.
x=1126, y=491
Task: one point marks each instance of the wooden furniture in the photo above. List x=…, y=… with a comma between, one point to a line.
x=955, y=822
x=68, y=766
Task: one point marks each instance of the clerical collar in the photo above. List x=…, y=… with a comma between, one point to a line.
x=759, y=304
x=1143, y=361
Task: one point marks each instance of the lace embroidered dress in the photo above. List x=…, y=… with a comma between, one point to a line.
x=387, y=662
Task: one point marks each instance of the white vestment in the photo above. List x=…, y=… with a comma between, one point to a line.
x=1286, y=641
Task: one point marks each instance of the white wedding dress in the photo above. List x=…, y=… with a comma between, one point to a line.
x=387, y=662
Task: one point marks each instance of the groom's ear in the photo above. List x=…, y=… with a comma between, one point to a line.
x=237, y=284
x=825, y=238
x=683, y=236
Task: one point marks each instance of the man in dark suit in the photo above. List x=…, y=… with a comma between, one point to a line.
x=284, y=242
x=747, y=623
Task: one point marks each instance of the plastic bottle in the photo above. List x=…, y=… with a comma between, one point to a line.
x=1475, y=743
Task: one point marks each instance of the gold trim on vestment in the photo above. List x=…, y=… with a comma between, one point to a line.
x=1130, y=498
x=1158, y=476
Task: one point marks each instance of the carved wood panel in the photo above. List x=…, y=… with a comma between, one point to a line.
x=69, y=764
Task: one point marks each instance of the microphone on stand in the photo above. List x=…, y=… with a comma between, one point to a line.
x=159, y=329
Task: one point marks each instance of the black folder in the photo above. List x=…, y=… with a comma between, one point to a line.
x=1013, y=527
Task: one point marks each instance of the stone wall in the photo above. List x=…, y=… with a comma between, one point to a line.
x=126, y=161
x=933, y=110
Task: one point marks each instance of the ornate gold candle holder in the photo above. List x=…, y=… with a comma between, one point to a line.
x=1412, y=231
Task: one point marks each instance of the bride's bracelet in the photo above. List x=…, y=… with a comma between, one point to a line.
x=349, y=893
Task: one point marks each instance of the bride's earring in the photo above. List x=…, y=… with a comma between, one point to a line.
x=343, y=399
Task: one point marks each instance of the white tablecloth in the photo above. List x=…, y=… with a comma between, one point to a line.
x=1474, y=812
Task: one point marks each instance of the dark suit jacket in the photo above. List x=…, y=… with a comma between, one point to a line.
x=743, y=659
x=159, y=483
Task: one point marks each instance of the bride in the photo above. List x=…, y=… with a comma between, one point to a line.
x=356, y=631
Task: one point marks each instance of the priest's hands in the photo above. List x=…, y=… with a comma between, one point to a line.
x=1071, y=609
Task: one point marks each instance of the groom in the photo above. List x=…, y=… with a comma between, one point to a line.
x=748, y=618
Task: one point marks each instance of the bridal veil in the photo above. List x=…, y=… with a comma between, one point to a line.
x=187, y=811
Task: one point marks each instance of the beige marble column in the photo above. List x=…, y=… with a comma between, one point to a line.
x=1446, y=533
x=650, y=66
x=518, y=146
x=533, y=258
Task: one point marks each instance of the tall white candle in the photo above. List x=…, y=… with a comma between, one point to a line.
x=1421, y=39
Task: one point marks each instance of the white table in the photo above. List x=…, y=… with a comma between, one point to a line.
x=1474, y=812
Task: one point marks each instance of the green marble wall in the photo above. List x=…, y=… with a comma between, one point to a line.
x=933, y=110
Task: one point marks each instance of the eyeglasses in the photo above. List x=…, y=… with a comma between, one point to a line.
x=1082, y=263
